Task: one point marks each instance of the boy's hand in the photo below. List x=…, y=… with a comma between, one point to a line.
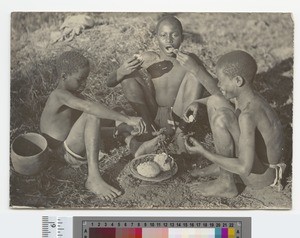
x=187, y=62
x=139, y=126
x=129, y=66
x=191, y=112
x=193, y=146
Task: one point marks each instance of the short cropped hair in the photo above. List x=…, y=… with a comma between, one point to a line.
x=238, y=63
x=171, y=19
x=70, y=61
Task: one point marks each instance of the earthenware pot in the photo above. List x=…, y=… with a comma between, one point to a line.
x=29, y=153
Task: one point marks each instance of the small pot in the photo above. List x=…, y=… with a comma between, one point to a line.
x=29, y=153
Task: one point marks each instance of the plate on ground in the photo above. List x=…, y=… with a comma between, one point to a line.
x=163, y=175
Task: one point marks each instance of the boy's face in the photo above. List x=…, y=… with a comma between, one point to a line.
x=169, y=37
x=226, y=84
x=76, y=81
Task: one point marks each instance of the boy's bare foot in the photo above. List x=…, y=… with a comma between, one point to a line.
x=102, y=189
x=211, y=170
x=215, y=188
x=149, y=146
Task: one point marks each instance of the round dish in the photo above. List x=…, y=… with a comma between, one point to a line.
x=163, y=175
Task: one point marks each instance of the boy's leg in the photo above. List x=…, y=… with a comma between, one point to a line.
x=211, y=170
x=142, y=99
x=189, y=90
x=84, y=138
x=216, y=109
x=148, y=147
x=225, y=131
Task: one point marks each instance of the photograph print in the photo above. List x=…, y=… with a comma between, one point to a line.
x=151, y=110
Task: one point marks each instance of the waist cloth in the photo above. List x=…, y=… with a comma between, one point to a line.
x=279, y=169
x=61, y=150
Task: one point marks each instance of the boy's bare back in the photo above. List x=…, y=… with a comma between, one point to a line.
x=260, y=121
x=267, y=123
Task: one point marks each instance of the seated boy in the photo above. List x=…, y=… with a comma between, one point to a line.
x=72, y=124
x=248, y=138
x=158, y=86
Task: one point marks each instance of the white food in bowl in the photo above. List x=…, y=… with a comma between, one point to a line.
x=148, y=169
x=164, y=161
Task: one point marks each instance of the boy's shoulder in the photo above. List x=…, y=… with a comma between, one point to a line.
x=60, y=94
x=253, y=109
x=258, y=102
x=246, y=119
x=57, y=92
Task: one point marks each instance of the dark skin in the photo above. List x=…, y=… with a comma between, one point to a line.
x=82, y=134
x=169, y=70
x=255, y=133
x=62, y=106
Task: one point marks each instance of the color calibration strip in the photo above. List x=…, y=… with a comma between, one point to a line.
x=164, y=228
x=162, y=233
x=146, y=227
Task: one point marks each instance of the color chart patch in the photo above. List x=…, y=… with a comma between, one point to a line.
x=162, y=228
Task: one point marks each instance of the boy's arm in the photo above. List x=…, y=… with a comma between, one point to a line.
x=206, y=79
x=241, y=165
x=125, y=71
x=113, y=79
x=96, y=109
x=202, y=100
x=193, y=64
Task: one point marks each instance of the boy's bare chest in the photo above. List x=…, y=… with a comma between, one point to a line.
x=167, y=75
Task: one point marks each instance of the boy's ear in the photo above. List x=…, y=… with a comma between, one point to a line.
x=239, y=81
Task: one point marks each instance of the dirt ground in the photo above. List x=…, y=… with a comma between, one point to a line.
x=115, y=37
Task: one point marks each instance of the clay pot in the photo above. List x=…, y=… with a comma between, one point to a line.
x=29, y=153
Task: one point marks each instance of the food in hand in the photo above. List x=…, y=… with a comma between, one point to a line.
x=175, y=51
x=164, y=161
x=191, y=118
x=138, y=57
x=148, y=169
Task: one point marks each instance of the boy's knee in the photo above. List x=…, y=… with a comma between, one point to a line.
x=132, y=90
x=92, y=118
x=191, y=88
x=215, y=100
x=130, y=85
x=191, y=81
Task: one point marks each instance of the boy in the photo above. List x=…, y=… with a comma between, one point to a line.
x=158, y=86
x=248, y=138
x=72, y=124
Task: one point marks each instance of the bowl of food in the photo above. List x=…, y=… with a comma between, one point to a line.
x=153, y=167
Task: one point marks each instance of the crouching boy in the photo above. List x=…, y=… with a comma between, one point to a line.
x=73, y=125
x=248, y=135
